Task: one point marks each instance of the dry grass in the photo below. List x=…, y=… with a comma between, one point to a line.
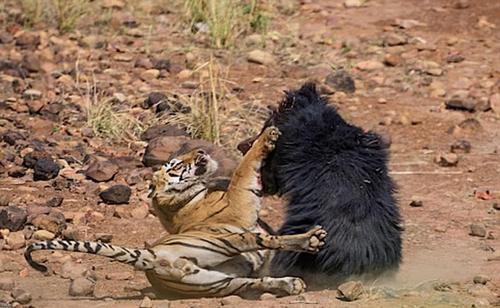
x=107, y=121
x=64, y=14
x=67, y=13
x=33, y=11
x=216, y=114
x=103, y=116
x=226, y=19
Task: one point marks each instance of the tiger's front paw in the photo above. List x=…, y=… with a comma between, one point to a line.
x=270, y=137
x=293, y=285
x=317, y=237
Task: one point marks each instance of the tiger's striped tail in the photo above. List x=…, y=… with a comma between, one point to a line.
x=141, y=259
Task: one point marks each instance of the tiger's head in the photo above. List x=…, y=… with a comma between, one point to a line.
x=195, y=166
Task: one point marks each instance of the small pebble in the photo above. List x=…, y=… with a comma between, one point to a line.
x=146, y=303
x=230, y=300
x=21, y=296
x=477, y=229
x=350, y=291
x=416, y=202
x=7, y=284
x=267, y=296
x=481, y=279
x=446, y=159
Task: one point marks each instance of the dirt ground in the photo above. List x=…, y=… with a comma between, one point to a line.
x=407, y=58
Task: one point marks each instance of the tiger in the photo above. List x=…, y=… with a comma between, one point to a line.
x=210, y=233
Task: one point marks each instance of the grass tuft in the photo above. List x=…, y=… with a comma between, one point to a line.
x=67, y=13
x=63, y=14
x=107, y=120
x=216, y=114
x=226, y=19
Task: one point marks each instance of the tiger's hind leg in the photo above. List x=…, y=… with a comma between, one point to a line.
x=210, y=283
x=209, y=250
x=311, y=241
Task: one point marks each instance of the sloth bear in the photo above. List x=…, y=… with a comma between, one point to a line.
x=335, y=175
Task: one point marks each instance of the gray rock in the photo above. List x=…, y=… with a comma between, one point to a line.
x=461, y=4
x=32, y=94
x=454, y=57
x=51, y=222
x=393, y=59
x=13, y=218
x=116, y=194
x=495, y=256
x=267, y=296
x=162, y=64
x=446, y=159
x=149, y=75
x=340, y=80
x=143, y=62
x=261, y=57
x=30, y=159
x=481, y=279
x=21, y=296
x=54, y=202
x=10, y=137
x=350, y=291
x=82, y=287
x=43, y=235
x=104, y=237
x=416, y=202
x=477, y=229
x=72, y=270
x=122, y=275
x=101, y=170
x=354, y=3
x=369, y=65
x=230, y=300
x=31, y=62
x=45, y=169
x=458, y=103
x=137, y=176
x=7, y=284
x=4, y=200
x=480, y=290
x=146, y=303
x=395, y=39
x=28, y=39
x=16, y=172
x=461, y=146
x=154, y=98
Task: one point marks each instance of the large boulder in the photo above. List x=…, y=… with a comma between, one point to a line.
x=45, y=169
x=101, y=170
x=13, y=218
x=117, y=194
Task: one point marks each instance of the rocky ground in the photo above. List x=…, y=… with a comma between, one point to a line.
x=85, y=116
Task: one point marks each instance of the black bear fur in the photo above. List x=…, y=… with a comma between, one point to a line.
x=335, y=175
